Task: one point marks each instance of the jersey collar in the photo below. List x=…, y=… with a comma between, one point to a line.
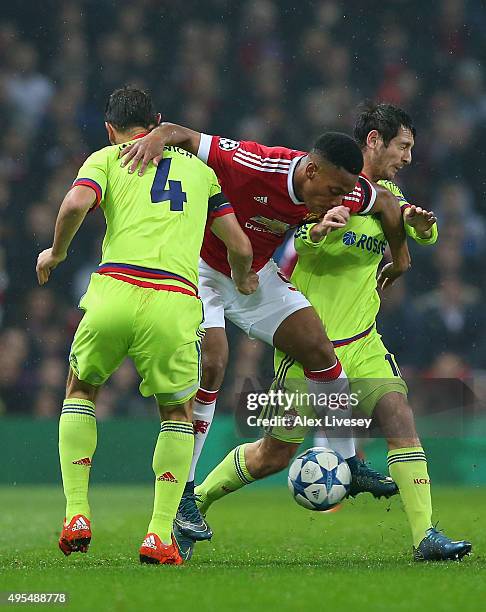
x=141, y=135
x=290, y=180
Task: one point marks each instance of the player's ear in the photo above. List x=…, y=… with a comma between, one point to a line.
x=158, y=119
x=111, y=132
x=372, y=139
x=311, y=170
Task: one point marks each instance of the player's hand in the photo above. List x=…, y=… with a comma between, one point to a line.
x=45, y=263
x=150, y=147
x=388, y=275
x=248, y=285
x=420, y=219
x=334, y=219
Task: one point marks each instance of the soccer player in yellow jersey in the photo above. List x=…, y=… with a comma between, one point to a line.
x=141, y=302
x=337, y=274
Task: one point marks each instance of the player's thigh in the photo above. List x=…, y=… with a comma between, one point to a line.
x=259, y=315
x=214, y=358
x=166, y=346
x=102, y=339
x=372, y=371
x=215, y=291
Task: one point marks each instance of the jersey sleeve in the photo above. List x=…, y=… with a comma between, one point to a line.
x=397, y=192
x=404, y=204
x=234, y=159
x=432, y=239
x=218, y=204
x=93, y=173
x=302, y=240
x=360, y=201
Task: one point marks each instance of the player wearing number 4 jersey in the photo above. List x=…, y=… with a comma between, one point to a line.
x=142, y=302
x=272, y=190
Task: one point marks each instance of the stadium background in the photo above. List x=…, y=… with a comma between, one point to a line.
x=265, y=70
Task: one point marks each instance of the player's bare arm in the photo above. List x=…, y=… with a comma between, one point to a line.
x=74, y=209
x=420, y=219
x=388, y=207
x=240, y=253
x=151, y=146
x=334, y=219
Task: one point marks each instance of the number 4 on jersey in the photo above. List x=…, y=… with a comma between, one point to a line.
x=174, y=194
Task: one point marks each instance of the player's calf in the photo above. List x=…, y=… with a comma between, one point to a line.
x=242, y=466
x=75, y=535
x=268, y=456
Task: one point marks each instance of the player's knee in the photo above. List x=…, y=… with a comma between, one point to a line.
x=79, y=389
x=319, y=353
x=395, y=417
x=179, y=412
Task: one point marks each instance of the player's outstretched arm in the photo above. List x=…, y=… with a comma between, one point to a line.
x=240, y=253
x=74, y=209
x=388, y=207
x=151, y=146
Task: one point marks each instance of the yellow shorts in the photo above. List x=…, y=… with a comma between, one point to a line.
x=160, y=330
x=372, y=373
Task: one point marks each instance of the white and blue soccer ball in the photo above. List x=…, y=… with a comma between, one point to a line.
x=319, y=479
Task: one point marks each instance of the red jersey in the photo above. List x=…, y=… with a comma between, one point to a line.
x=259, y=183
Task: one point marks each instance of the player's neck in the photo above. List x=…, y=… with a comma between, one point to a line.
x=371, y=168
x=370, y=172
x=299, y=179
x=121, y=137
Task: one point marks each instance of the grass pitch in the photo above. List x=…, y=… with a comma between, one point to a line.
x=267, y=553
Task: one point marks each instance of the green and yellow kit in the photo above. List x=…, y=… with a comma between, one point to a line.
x=338, y=277
x=142, y=301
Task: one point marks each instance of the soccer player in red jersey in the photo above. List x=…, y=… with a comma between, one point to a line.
x=272, y=190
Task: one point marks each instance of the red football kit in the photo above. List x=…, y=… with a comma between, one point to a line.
x=258, y=181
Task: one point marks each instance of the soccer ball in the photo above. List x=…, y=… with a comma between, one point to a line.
x=319, y=478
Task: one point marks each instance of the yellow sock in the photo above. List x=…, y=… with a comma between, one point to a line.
x=408, y=468
x=172, y=460
x=77, y=444
x=228, y=476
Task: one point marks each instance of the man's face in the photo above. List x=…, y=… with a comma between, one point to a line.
x=387, y=161
x=326, y=185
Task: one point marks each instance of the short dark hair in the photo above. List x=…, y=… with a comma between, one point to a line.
x=386, y=119
x=129, y=107
x=340, y=150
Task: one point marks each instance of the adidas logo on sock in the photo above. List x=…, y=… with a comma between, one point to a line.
x=86, y=462
x=79, y=525
x=149, y=542
x=168, y=477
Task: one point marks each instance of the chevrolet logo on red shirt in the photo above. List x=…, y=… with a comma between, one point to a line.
x=273, y=226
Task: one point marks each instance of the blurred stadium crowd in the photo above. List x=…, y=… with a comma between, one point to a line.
x=266, y=70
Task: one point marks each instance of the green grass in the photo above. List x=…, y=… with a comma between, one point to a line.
x=267, y=553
